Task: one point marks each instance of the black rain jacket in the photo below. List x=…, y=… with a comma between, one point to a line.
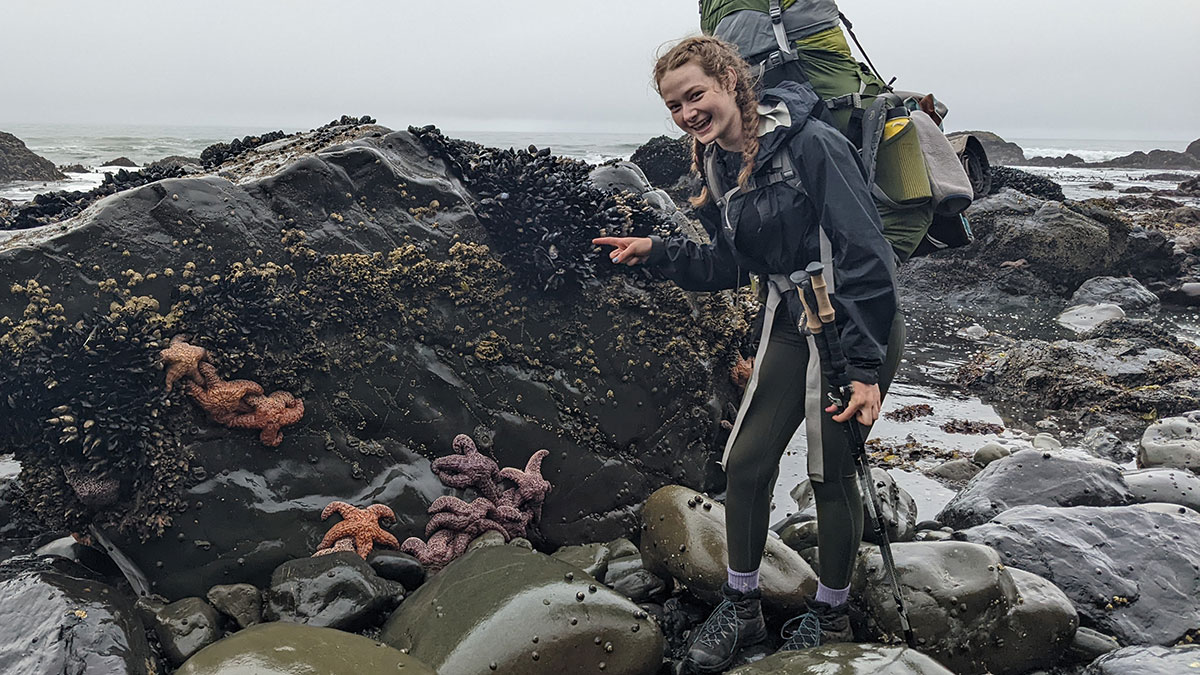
x=774, y=230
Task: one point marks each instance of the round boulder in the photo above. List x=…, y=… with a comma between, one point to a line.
x=1130, y=571
x=846, y=659
x=1036, y=477
x=286, y=649
x=960, y=598
x=684, y=538
x=508, y=609
x=1172, y=441
x=1123, y=291
x=339, y=590
x=1152, y=660
x=55, y=617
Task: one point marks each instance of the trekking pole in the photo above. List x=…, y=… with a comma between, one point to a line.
x=813, y=293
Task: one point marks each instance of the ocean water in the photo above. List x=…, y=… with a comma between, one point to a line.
x=94, y=145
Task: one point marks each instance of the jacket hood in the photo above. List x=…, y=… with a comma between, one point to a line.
x=784, y=110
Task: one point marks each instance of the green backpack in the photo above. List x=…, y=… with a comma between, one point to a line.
x=803, y=41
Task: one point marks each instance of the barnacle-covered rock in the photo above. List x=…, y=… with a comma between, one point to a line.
x=370, y=276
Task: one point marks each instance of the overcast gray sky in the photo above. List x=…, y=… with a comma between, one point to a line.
x=1023, y=68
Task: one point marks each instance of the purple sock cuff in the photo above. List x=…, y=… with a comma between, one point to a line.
x=832, y=596
x=742, y=581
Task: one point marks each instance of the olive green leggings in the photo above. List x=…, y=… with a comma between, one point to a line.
x=752, y=467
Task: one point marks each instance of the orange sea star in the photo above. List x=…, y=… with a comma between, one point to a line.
x=182, y=360
x=222, y=400
x=361, y=525
x=270, y=414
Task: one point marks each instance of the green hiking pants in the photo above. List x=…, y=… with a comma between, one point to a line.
x=752, y=465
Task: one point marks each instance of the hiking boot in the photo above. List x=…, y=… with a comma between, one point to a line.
x=821, y=624
x=735, y=623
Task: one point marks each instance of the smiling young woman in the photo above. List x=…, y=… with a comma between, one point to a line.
x=781, y=189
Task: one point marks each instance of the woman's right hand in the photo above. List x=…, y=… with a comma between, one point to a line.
x=628, y=250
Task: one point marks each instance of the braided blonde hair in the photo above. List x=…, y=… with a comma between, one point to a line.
x=716, y=58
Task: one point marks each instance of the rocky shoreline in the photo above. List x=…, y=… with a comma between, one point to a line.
x=412, y=290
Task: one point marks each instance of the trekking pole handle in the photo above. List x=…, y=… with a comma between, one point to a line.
x=800, y=279
x=816, y=272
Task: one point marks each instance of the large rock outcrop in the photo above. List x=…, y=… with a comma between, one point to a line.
x=1130, y=571
x=18, y=162
x=408, y=288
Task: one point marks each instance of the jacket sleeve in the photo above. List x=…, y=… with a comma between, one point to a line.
x=863, y=262
x=694, y=266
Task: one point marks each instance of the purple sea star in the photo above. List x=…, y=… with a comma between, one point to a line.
x=468, y=468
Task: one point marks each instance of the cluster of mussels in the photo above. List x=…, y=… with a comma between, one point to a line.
x=50, y=207
x=218, y=153
x=542, y=211
x=82, y=406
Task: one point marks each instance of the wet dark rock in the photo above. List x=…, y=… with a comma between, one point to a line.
x=988, y=453
x=1155, y=159
x=1035, y=477
x=1171, y=486
x=664, y=160
x=1025, y=182
x=897, y=506
x=1102, y=185
x=525, y=612
x=56, y=617
x=171, y=162
x=1193, y=148
x=1122, y=371
x=51, y=207
x=1123, y=291
x=396, y=322
x=967, y=610
x=1084, y=318
x=958, y=470
x=399, y=567
x=1153, y=660
x=121, y=162
x=339, y=590
x=1186, y=215
x=1090, y=644
x=183, y=627
x=286, y=649
x=18, y=162
x=1130, y=571
x=219, y=153
x=73, y=168
x=687, y=543
x=591, y=558
x=240, y=602
x=20, y=531
x=1189, y=187
x=88, y=556
x=1135, y=190
x=847, y=659
x=640, y=585
x=1172, y=442
x=999, y=151
x=1065, y=160
x=1102, y=443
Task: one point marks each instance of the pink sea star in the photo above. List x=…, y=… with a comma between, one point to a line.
x=454, y=523
x=468, y=468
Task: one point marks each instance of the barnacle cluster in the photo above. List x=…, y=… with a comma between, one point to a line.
x=541, y=209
